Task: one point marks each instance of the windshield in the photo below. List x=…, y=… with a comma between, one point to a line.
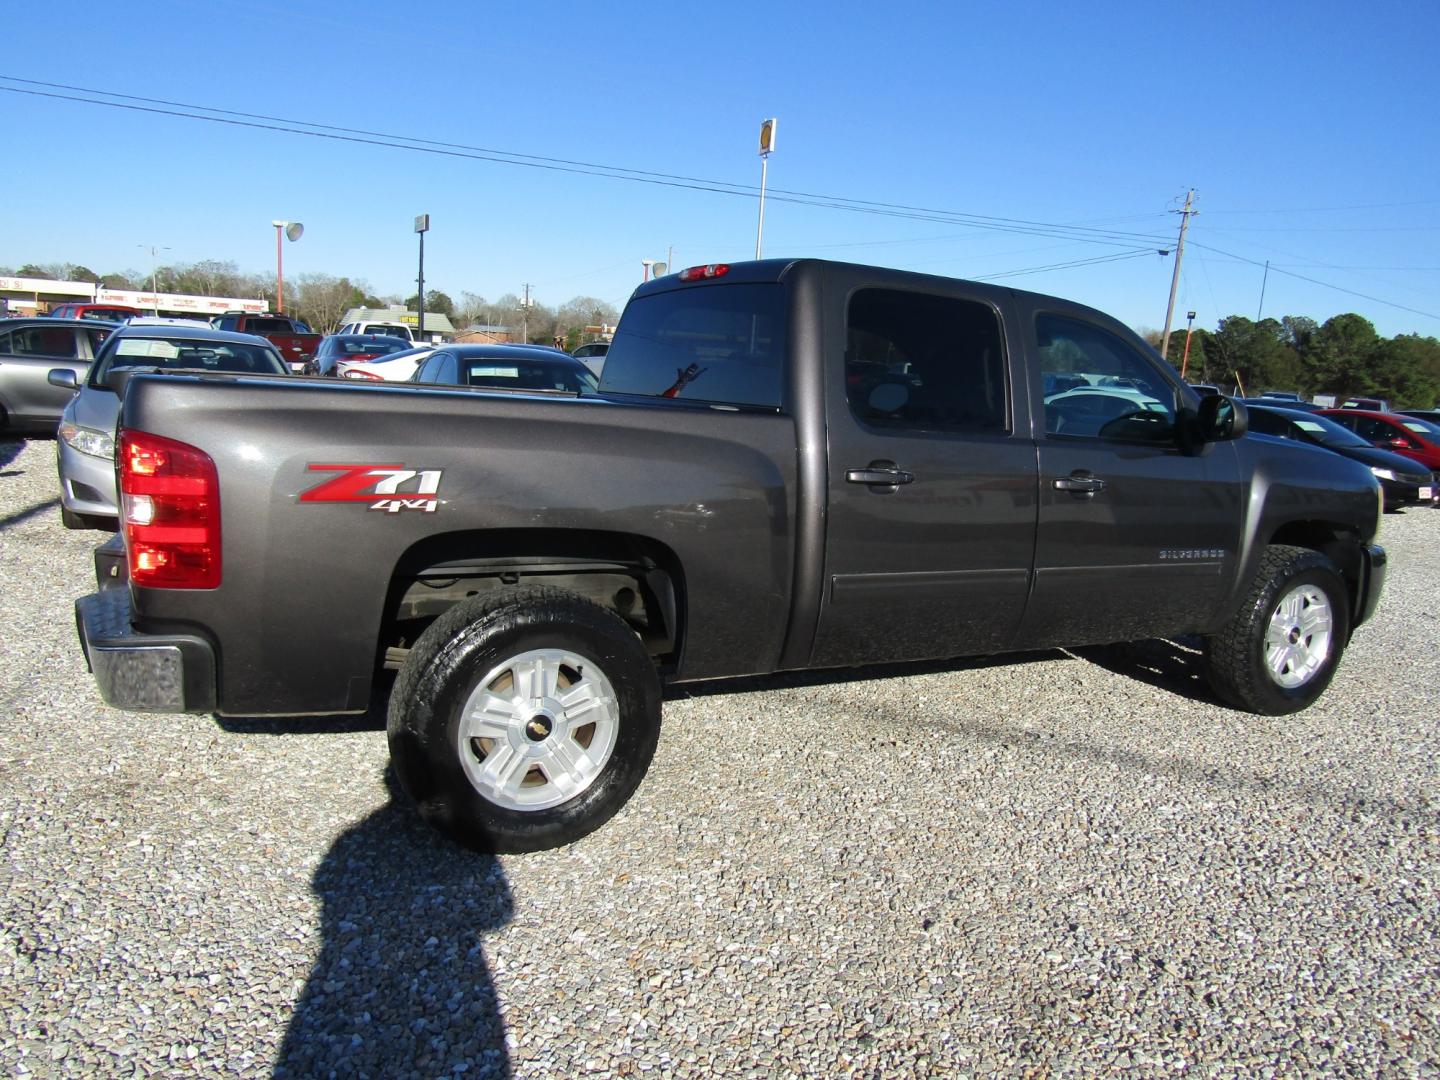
x=176, y=353
x=1327, y=432
x=1424, y=428
x=530, y=375
x=257, y=325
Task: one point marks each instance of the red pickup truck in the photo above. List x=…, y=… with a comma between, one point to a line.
x=295, y=341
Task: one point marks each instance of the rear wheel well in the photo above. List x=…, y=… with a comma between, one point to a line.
x=635, y=577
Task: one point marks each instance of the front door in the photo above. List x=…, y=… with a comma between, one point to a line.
x=1136, y=538
x=931, y=487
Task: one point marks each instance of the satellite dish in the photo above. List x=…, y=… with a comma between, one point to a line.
x=294, y=231
x=659, y=268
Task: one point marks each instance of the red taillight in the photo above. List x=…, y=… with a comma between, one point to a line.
x=356, y=373
x=170, y=511
x=709, y=270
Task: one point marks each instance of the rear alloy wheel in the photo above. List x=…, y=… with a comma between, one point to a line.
x=523, y=720
x=538, y=729
x=1280, y=650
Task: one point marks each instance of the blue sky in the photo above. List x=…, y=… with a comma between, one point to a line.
x=1307, y=130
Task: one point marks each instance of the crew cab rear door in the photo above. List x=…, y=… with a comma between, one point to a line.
x=1136, y=537
x=931, y=485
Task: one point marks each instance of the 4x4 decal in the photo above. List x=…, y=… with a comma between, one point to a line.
x=390, y=488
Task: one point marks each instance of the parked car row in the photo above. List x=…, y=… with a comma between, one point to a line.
x=73, y=371
x=1404, y=480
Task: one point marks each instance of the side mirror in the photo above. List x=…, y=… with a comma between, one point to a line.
x=1399, y=442
x=1220, y=419
x=64, y=378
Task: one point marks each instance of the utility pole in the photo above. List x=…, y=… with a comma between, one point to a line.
x=1259, y=311
x=525, y=317
x=1175, y=278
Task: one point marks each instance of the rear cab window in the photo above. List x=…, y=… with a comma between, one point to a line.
x=718, y=344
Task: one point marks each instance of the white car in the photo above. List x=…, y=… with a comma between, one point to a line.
x=1091, y=410
x=397, y=367
x=389, y=329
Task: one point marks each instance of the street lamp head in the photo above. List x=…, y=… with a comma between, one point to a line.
x=279, y=224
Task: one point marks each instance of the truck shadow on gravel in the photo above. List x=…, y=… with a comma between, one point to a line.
x=1174, y=665
x=10, y=449
x=11, y=520
x=401, y=986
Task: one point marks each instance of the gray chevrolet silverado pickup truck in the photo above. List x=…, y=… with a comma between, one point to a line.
x=789, y=465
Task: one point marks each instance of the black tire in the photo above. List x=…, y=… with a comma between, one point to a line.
x=72, y=520
x=600, y=660
x=1282, y=672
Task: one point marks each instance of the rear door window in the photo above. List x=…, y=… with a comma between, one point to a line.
x=924, y=362
x=56, y=341
x=721, y=344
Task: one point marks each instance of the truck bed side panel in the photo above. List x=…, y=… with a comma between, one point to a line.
x=305, y=582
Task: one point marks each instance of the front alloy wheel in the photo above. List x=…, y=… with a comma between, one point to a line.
x=1297, y=643
x=1279, y=651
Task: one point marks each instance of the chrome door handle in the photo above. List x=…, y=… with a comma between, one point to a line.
x=888, y=477
x=1080, y=484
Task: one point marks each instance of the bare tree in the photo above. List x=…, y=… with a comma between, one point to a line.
x=323, y=299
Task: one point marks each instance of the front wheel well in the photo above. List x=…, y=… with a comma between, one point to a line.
x=1340, y=543
x=637, y=578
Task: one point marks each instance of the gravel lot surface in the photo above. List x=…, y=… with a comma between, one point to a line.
x=1051, y=864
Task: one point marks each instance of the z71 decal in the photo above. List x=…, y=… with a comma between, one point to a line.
x=390, y=488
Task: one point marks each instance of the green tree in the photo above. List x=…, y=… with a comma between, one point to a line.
x=84, y=273
x=435, y=300
x=125, y=279
x=1407, y=371
x=1256, y=356
x=1342, y=356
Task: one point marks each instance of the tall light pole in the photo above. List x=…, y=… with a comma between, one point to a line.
x=1189, y=329
x=154, y=272
x=646, y=263
x=293, y=230
x=422, y=226
x=767, y=146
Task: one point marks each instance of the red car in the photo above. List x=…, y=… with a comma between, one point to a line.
x=104, y=312
x=1408, y=435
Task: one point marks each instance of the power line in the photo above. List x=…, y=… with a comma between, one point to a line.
x=967, y=221
x=1331, y=209
x=266, y=122
x=1316, y=281
x=1120, y=257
